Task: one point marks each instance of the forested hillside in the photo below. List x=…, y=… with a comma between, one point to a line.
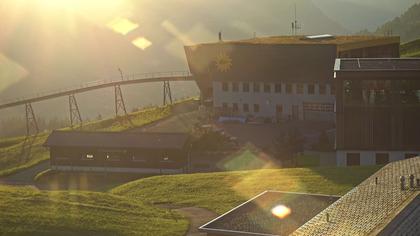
x=407, y=25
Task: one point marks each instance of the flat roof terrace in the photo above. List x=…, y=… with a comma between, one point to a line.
x=343, y=42
x=378, y=64
x=270, y=213
x=377, y=68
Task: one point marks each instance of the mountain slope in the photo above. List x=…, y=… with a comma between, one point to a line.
x=407, y=25
x=411, y=49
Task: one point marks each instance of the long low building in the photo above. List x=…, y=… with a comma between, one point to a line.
x=285, y=77
x=118, y=152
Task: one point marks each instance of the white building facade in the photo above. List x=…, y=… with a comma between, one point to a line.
x=275, y=100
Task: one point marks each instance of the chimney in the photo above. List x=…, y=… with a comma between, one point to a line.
x=402, y=181
x=220, y=36
x=412, y=181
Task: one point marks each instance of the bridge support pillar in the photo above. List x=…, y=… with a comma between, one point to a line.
x=31, y=123
x=167, y=94
x=74, y=111
x=120, y=104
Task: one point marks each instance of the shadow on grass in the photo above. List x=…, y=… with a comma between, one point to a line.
x=346, y=175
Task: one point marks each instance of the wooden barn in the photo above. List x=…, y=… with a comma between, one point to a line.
x=118, y=152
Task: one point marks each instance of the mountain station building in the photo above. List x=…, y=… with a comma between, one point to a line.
x=278, y=78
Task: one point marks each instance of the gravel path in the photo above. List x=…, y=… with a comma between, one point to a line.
x=25, y=177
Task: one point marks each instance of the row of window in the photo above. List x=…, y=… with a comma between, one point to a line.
x=353, y=159
x=319, y=107
x=290, y=88
x=116, y=157
x=246, y=107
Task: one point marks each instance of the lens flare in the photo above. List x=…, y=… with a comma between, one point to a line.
x=122, y=25
x=281, y=211
x=142, y=43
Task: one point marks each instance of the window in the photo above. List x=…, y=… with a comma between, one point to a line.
x=89, y=157
x=277, y=88
x=256, y=108
x=410, y=155
x=353, y=159
x=165, y=158
x=289, y=88
x=267, y=88
x=256, y=87
x=245, y=107
x=321, y=107
x=279, y=108
x=382, y=158
x=311, y=89
x=225, y=87
x=139, y=159
x=299, y=88
x=113, y=157
x=322, y=89
x=225, y=107
x=245, y=87
x=235, y=107
x=235, y=87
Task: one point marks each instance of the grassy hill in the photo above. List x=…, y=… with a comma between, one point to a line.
x=25, y=211
x=411, y=49
x=220, y=192
x=12, y=159
x=132, y=209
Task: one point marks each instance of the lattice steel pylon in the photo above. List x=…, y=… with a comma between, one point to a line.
x=120, y=104
x=31, y=123
x=74, y=111
x=31, y=128
x=167, y=94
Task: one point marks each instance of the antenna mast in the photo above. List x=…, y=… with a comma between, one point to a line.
x=295, y=24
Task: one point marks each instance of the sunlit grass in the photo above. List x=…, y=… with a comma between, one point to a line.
x=26, y=211
x=220, y=192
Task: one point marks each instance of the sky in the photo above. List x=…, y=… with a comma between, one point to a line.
x=53, y=44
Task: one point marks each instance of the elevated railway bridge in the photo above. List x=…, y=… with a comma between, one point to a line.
x=120, y=108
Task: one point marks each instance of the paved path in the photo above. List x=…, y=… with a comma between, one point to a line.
x=25, y=177
x=197, y=217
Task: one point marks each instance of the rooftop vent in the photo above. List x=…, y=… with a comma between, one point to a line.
x=319, y=37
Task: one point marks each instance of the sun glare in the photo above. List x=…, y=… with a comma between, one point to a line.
x=98, y=11
x=281, y=211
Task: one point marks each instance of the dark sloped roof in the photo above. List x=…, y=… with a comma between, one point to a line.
x=370, y=208
x=116, y=140
x=255, y=216
x=268, y=63
x=378, y=64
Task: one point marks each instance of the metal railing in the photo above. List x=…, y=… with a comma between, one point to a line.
x=98, y=84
